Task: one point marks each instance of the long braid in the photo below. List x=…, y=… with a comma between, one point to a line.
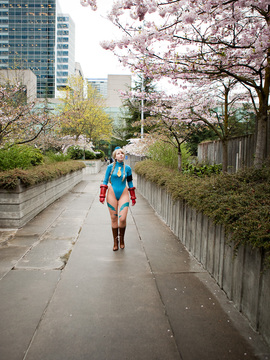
x=124, y=170
x=112, y=171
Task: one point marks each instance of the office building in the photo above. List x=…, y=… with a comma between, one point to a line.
x=25, y=77
x=28, y=38
x=110, y=89
x=35, y=35
x=65, y=50
x=100, y=84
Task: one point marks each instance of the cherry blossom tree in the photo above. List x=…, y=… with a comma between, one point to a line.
x=175, y=117
x=199, y=41
x=20, y=122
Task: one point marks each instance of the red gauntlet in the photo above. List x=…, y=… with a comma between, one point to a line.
x=132, y=195
x=103, y=189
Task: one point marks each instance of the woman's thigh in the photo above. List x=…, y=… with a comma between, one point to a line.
x=112, y=204
x=123, y=205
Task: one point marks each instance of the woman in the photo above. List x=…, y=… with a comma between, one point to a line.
x=118, y=174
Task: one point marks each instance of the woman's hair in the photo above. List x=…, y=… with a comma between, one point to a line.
x=114, y=163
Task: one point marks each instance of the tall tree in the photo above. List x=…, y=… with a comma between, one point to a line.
x=20, y=121
x=83, y=112
x=214, y=107
x=199, y=40
x=137, y=109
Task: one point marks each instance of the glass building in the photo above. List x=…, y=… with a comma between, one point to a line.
x=100, y=84
x=65, y=49
x=28, y=40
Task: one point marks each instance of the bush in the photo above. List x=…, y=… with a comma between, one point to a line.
x=20, y=157
x=202, y=170
x=75, y=152
x=241, y=201
x=167, y=154
x=100, y=154
x=51, y=157
x=9, y=179
x=89, y=155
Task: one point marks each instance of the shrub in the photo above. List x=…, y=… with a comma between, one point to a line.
x=51, y=157
x=167, y=154
x=9, y=179
x=20, y=157
x=75, y=152
x=100, y=154
x=241, y=201
x=202, y=170
x=89, y=155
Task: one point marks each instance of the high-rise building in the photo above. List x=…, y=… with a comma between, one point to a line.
x=35, y=35
x=65, y=49
x=28, y=38
x=110, y=88
x=100, y=84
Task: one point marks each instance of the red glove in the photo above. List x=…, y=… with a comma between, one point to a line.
x=103, y=189
x=132, y=195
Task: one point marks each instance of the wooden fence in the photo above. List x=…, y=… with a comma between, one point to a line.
x=241, y=151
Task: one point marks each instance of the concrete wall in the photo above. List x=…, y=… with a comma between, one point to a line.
x=131, y=160
x=117, y=83
x=92, y=166
x=26, y=77
x=20, y=205
x=240, y=276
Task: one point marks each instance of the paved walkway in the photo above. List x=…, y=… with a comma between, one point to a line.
x=65, y=295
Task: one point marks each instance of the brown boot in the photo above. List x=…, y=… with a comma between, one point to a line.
x=122, y=234
x=115, y=239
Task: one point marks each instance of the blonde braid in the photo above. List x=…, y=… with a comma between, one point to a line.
x=124, y=170
x=112, y=171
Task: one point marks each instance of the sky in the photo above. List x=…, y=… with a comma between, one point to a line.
x=91, y=27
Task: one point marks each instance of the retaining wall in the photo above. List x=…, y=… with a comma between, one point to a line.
x=20, y=205
x=92, y=166
x=240, y=276
x=132, y=160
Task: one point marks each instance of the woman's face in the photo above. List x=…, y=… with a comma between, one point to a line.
x=119, y=155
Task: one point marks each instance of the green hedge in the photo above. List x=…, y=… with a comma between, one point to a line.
x=20, y=156
x=241, y=201
x=39, y=174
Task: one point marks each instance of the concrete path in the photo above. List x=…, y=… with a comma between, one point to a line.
x=65, y=295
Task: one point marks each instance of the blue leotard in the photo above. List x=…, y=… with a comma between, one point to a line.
x=117, y=184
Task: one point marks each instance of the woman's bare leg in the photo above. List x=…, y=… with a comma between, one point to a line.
x=123, y=204
x=113, y=210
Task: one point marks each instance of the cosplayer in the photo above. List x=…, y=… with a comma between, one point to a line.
x=118, y=174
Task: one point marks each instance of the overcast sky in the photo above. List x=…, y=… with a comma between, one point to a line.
x=91, y=28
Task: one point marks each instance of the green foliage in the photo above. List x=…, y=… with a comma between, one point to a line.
x=89, y=155
x=75, y=152
x=39, y=174
x=166, y=154
x=20, y=156
x=198, y=134
x=51, y=157
x=202, y=170
x=241, y=201
x=132, y=115
x=100, y=154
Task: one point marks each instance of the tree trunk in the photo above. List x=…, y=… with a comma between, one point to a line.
x=179, y=161
x=224, y=155
x=262, y=118
x=260, y=139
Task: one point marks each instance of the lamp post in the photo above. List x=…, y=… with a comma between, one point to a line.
x=142, y=112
